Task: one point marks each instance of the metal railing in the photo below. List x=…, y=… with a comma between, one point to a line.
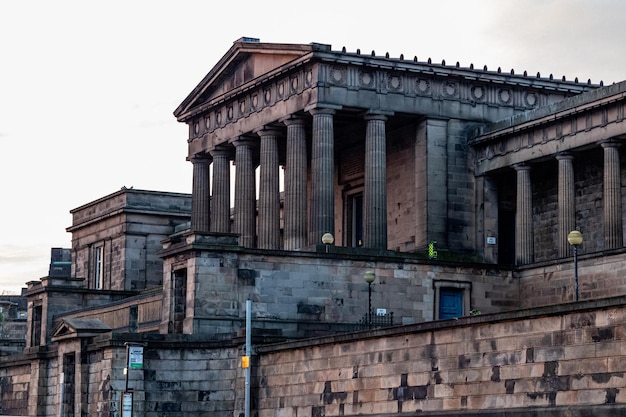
x=373, y=320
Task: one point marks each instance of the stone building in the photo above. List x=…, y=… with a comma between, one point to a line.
x=456, y=186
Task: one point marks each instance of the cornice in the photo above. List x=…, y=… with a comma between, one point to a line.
x=319, y=74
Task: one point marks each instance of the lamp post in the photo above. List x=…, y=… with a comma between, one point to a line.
x=369, y=277
x=327, y=240
x=575, y=238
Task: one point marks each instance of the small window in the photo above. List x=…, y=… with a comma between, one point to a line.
x=35, y=330
x=354, y=220
x=98, y=267
x=68, y=385
x=179, y=289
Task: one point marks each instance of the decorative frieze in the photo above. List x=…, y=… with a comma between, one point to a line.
x=419, y=83
x=549, y=135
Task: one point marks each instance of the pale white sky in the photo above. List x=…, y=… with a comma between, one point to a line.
x=87, y=88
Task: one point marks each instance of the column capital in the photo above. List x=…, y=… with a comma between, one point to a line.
x=199, y=158
x=564, y=156
x=221, y=151
x=268, y=131
x=293, y=119
x=322, y=109
x=244, y=140
x=610, y=143
x=522, y=167
x=377, y=115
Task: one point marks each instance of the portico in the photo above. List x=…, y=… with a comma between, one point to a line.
x=374, y=153
x=570, y=161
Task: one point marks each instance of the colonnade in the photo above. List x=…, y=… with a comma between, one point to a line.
x=211, y=213
x=612, y=204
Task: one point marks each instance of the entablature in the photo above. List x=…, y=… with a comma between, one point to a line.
x=354, y=81
x=578, y=122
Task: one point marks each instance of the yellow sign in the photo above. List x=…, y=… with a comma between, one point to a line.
x=245, y=362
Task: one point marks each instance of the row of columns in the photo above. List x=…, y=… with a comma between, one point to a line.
x=212, y=213
x=613, y=234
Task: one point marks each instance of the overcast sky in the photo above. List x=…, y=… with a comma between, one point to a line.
x=87, y=88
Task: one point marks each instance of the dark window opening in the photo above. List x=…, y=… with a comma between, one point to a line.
x=68, y=385
x=35, y=331
x=354, y=220
x=179, y=291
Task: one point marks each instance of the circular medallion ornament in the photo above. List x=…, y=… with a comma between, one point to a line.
x=478, y=93
x=336, y=75
x=281, y=90
x=423, y=86
x=218, y=118
x=504, y=96
x=294, y=84
x=530, y=99
x=366, y=79
x=449, y=89
x=229, y=113
x=268, y=96
x=196, y=127
x=207, y=122
x=242, y=107
x=254, y=102
x=308, y=78
x=394, y=82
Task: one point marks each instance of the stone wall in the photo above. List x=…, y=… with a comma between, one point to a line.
x=14, y=388
x=292, y=290
x=180, y=376
x=554, y=283
x=195, y=382
x=563, y=360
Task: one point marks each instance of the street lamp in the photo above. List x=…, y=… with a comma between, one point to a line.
x=575, y=238
x=327, y=240
x=369, y=277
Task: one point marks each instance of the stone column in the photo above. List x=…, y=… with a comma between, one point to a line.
x=375, y=191
x=200, y=195
x=567, y=203
x=322, y=175
x=295, y=205
x=245, y=192
x=220, y=201
x=612, y=197
x=269, y=190
x=523, y=217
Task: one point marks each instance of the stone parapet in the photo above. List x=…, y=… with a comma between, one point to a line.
x=559, y=360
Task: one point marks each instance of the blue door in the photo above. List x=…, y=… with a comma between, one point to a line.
x=450, y=303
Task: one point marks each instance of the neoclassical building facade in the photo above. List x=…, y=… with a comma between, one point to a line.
x=384, y=153
x=453, y=187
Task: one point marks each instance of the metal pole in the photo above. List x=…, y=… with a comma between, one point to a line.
x=248, y=353
x=369, y=304
x=576, y=270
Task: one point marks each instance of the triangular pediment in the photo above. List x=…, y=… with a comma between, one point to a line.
x=78, y=327
x=247, y=60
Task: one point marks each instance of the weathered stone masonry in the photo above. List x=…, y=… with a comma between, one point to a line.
x=557, y=361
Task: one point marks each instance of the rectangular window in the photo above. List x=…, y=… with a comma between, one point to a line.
x=179, y=288
x=98, y=267
x=35, y=330
x=354, y=219
x=68, y=385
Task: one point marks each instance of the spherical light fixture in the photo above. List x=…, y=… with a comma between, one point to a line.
x=328, y=238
